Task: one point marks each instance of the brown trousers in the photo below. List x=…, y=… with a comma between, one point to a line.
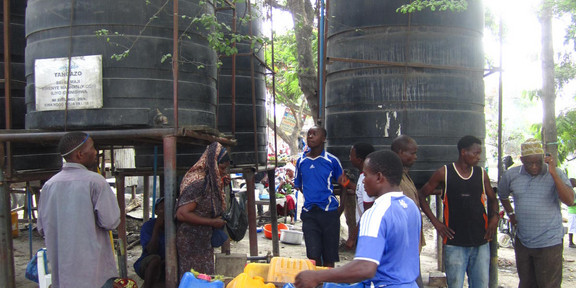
x=539, y=267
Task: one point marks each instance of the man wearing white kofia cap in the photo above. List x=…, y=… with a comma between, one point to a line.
x=537, y=188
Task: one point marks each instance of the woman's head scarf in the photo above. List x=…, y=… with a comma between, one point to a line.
x=206, y=171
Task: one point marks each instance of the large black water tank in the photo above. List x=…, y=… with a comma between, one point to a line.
x=419, y=75
x=17, y=46
x=137, y=87
x=244, y=152
x=25, y=156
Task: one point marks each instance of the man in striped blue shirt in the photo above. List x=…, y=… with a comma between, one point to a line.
x=538, y=187
x=387, y=254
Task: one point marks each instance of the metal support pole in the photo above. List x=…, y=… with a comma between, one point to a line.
x=7, y=277
x=273, y=212
x=439, y=247
x=248, y=175
x=493, y=281
x=121, y=249
x=146, y=198
x=7, y=85
x=175, y=59
x=170, y=193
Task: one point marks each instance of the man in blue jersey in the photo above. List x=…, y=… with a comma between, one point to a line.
x=316, y=170
x=388, y=243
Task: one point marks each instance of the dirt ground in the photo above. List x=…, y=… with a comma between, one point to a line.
x=507, y=276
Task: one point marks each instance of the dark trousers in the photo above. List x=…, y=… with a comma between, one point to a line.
x=539, y=267
x=321, y=234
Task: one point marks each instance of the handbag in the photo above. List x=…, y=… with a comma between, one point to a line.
x=218, y=234
x=236, y=219
x=218, y=237
x=32, y=266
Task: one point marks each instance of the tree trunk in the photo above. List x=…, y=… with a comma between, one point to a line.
x=549, y=134
x=303, y=18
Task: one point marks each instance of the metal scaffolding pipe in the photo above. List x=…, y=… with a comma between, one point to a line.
x=7, y=66
x=35, y=136
x=7, y=83
x=7, y=276
x=272, y=208
x=121, y=249
x=170, y=190
x=248, y=174
x=175, y=60
x=329, y=60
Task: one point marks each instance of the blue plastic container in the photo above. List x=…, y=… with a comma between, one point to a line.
x=189, y=281
x=331, y=285
x=340, y=285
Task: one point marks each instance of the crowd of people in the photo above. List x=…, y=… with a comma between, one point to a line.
x=387, y=233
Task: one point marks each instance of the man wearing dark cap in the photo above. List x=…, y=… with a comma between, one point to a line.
x=537, y=187
x=77, y=209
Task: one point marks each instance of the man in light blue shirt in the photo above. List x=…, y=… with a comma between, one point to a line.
x=537, y=187
x=387, y=254
x=77, y=209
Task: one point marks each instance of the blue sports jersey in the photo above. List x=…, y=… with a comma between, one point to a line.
x=314, y=177
x=389, y=236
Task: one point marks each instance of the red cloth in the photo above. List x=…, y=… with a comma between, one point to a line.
x=291, y=205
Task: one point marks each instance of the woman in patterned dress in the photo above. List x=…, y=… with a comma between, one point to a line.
x=199, y=209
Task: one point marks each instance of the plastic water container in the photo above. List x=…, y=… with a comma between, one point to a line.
x=284, y=270
x=257, y=270
x=331, y=285
x=341, y=285
x=189, y=281
x=245, y=281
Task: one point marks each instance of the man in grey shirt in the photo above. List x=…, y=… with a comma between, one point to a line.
x=77, y=209
x=537, y=187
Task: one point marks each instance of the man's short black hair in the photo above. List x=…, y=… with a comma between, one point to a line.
x=322, y=129
x=70, y=142
x=387, y=163
x=401, y=142
x=467, y=142
x=363, y=149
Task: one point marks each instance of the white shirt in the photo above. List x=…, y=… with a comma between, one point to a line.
x=361, y=197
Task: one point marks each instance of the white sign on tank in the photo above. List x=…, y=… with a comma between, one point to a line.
x=80, y=85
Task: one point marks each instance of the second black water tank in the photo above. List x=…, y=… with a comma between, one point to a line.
x=390, y=73
x=249, y=81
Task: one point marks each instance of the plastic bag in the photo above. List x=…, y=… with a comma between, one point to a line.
x=189, y=281
x=236, y=220
x=218, y=237
x=32, y=266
